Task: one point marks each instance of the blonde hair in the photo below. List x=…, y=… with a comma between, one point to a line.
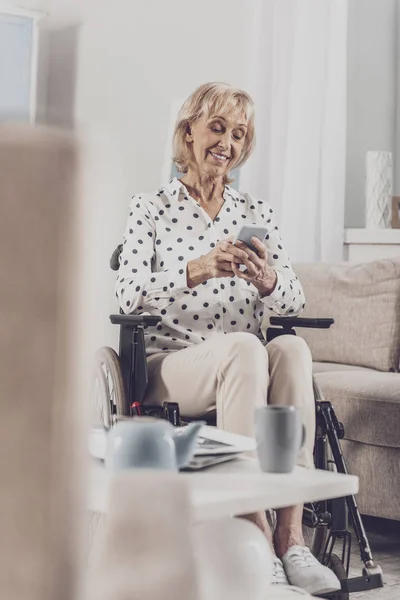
x=212, y=99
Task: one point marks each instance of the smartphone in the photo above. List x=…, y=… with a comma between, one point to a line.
x=249, y=231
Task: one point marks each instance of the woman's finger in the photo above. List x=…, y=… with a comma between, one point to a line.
x=222, y=273
x=239, y=273
x=224, y=245
x=225, y=265
x=259, y=256
x=242, y=246
x=230, y=257
x=262, y=251
x=239, y=252
x=252, y=267
x=229, y=248
x=251, y=255
x=242, y=274
x=251, y=270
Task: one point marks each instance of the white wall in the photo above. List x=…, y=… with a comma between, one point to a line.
x=126, y=63
x=115, y=69
x=371, y=105
x=34, y=5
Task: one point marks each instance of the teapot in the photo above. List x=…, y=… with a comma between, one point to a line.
x=149, y=443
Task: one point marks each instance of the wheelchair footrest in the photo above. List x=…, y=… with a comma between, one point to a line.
x=364, y=582
x=359, y=584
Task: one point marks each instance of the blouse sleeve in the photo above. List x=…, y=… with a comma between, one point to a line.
x=288, y=296
x=138, y=288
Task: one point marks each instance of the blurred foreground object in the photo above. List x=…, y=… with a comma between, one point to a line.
x=41, y=427
x=234, y=558
x=148, y=443
x=146, y=550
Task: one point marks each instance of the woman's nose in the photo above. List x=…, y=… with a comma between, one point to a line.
x=224, y=141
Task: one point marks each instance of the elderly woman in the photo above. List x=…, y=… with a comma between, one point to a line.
x=179, y=261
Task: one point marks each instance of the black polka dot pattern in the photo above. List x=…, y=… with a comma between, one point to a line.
x=169, y=228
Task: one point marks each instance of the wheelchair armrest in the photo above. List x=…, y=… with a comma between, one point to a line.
x=135, y=320
x=290, y=322
x=132, y=355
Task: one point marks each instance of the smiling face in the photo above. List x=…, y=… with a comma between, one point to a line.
x=217, y=143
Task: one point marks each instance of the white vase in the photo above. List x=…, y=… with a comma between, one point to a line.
x=378, y=189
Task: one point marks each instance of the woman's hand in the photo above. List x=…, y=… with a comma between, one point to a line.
x=258, y=271
x=217, y=263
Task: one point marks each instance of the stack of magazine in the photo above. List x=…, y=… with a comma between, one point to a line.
x=215, y=446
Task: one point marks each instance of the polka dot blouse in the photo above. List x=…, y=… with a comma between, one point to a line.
x=169, y=228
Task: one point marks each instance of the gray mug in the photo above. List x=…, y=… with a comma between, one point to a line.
x=280, y=435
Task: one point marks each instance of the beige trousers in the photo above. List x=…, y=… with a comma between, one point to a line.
x=235, y=373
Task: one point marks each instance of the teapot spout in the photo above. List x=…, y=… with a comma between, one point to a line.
x=185, y=442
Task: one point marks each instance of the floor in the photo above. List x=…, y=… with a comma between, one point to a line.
x=384, y=539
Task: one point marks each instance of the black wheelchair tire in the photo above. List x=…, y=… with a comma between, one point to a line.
x=107, y=365
x=336, y=565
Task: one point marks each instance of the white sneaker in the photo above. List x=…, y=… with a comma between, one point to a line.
x=278, y=572
x=288, y=592
x=304, y=571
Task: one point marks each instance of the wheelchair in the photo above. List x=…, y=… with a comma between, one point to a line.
x=120, y=386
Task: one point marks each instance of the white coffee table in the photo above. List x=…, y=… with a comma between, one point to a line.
x=239, y=487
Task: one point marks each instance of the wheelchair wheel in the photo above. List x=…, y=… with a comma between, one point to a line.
x=336, y=565
x=101, y=410
x=109, y=395
x=316, y=538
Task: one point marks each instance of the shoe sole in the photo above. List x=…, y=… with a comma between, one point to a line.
x=328, y=589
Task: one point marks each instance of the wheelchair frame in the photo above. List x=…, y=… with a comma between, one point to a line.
x=329, y=515
x=334, y=514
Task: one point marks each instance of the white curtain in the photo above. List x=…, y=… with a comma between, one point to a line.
x=297, y=78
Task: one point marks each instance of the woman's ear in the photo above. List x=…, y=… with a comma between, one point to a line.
x=189, y=134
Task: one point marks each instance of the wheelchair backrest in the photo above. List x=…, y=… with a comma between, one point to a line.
x=114, y=260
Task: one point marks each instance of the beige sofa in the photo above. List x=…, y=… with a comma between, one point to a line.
x=356, y=363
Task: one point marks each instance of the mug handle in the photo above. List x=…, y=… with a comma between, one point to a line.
x=303, y=436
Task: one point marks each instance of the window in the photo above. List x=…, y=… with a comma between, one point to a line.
x=16, y=48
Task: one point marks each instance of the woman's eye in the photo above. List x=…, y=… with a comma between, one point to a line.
x=216, y=129
x=238, y=135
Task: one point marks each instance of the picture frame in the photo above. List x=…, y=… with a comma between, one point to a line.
x=395, y=212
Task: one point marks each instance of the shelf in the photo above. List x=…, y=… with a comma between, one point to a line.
x=372, y=236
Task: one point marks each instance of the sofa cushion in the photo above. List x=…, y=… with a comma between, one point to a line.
x=327, y=367
x=364, y=300
x=368, y=404
x=379, y=472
